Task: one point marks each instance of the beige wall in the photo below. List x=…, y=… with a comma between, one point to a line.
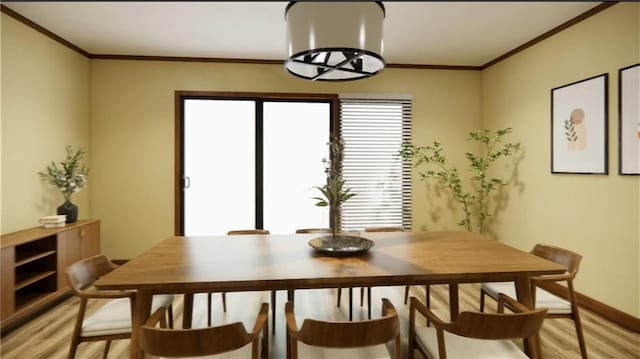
x=597, y=216
x=132, y=132
x=45, y=106
x=49, y=92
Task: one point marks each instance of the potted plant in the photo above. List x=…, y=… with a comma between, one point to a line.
x=69, y=177
x=472, y=200
x=333, y=191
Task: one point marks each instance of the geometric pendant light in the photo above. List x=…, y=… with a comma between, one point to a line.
x=334, y=41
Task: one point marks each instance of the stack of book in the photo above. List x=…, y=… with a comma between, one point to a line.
x=53, y=221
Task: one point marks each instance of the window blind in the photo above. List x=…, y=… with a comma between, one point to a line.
x=373, y=131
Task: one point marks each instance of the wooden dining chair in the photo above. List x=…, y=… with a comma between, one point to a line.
x=560, y=306
x=247, y=231
x=235, y=232
x=361, y=339
x=224, y=341
x=112, y=321
x=474, y=335
x=313, y=230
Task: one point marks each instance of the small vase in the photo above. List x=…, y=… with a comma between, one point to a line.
x=70, y=209
x=334, y=221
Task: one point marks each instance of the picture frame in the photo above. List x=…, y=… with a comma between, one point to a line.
x=579, y=127
x=629, y=120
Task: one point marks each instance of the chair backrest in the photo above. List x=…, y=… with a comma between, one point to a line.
x=83, y=273
x=384, y=229
x=497, y=326
x=247, y=231
x=567, y=258
x=313, y=230
x=347, y=334
x=165, y=342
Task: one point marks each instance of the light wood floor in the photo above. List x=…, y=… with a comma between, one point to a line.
x=47, y=336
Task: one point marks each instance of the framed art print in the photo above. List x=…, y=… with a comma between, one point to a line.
x=629, y=117
x=579, y=127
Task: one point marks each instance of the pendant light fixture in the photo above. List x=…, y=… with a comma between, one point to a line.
x=334, y=41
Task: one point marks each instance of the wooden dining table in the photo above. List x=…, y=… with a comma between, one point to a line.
x=188, y=265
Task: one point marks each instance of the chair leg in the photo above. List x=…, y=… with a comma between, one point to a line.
x=209, y=309
x=106, y=349
x=362, y=296
x=427, y=295
x=427, y=300
x=170, y=315
x=291, y=296
x=75, y=339
x=273, y=311
x=578, y=323
x=350, y=303
x=224, y=302
x=482, y=295
x=339, y=296
x=406, y=294
x=369, y=301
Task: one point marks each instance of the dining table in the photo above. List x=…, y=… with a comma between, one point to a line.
x=201, y=264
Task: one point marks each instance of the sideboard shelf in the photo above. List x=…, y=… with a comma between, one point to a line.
x=33, y=263
x=27, y=278
x=32, y=256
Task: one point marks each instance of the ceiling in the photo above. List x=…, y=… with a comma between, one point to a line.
x=416, y=33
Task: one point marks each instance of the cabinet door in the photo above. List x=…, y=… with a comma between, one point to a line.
x=7, y=302
x=68, y=248
x=90, y=240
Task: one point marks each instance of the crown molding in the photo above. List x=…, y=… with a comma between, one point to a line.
x=587, y=14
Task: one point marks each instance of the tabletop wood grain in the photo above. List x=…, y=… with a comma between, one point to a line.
x=268, y=262
x=262, y=262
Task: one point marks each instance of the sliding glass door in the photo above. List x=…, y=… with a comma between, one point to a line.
x=252, y=163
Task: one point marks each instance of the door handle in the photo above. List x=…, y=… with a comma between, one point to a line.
x=187, y=182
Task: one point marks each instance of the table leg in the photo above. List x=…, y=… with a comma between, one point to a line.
x=454, y=303
x=141, y=313
x=187, y=310
x=523, y=293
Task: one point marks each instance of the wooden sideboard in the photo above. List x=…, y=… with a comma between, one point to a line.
x=33, y=263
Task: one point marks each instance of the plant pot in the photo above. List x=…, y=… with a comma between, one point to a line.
x=70, y=210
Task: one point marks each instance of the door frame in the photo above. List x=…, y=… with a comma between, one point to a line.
x=179, y=98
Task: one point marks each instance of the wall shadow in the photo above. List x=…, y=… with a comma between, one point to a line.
x=499, y=200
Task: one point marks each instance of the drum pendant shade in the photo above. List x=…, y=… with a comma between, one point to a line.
x=334, y=41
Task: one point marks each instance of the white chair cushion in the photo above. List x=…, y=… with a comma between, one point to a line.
x=115, y=316
x=544, y=299
x=464, y=348
x=312, y=352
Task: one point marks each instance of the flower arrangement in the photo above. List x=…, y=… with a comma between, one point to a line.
x=70, y=177
x=333, y=190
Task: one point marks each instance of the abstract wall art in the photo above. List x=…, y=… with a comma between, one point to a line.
x=579, y=127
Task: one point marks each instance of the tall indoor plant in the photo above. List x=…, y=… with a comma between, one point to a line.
x=472, y=200
x=333, y=191
x=69, y=177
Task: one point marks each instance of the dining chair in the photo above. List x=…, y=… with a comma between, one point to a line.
x=474, y=334
x=112, y=321
x=237, y=232
x=247, y=231
x=224, y=341
x=358, y=339
x=560, y=306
